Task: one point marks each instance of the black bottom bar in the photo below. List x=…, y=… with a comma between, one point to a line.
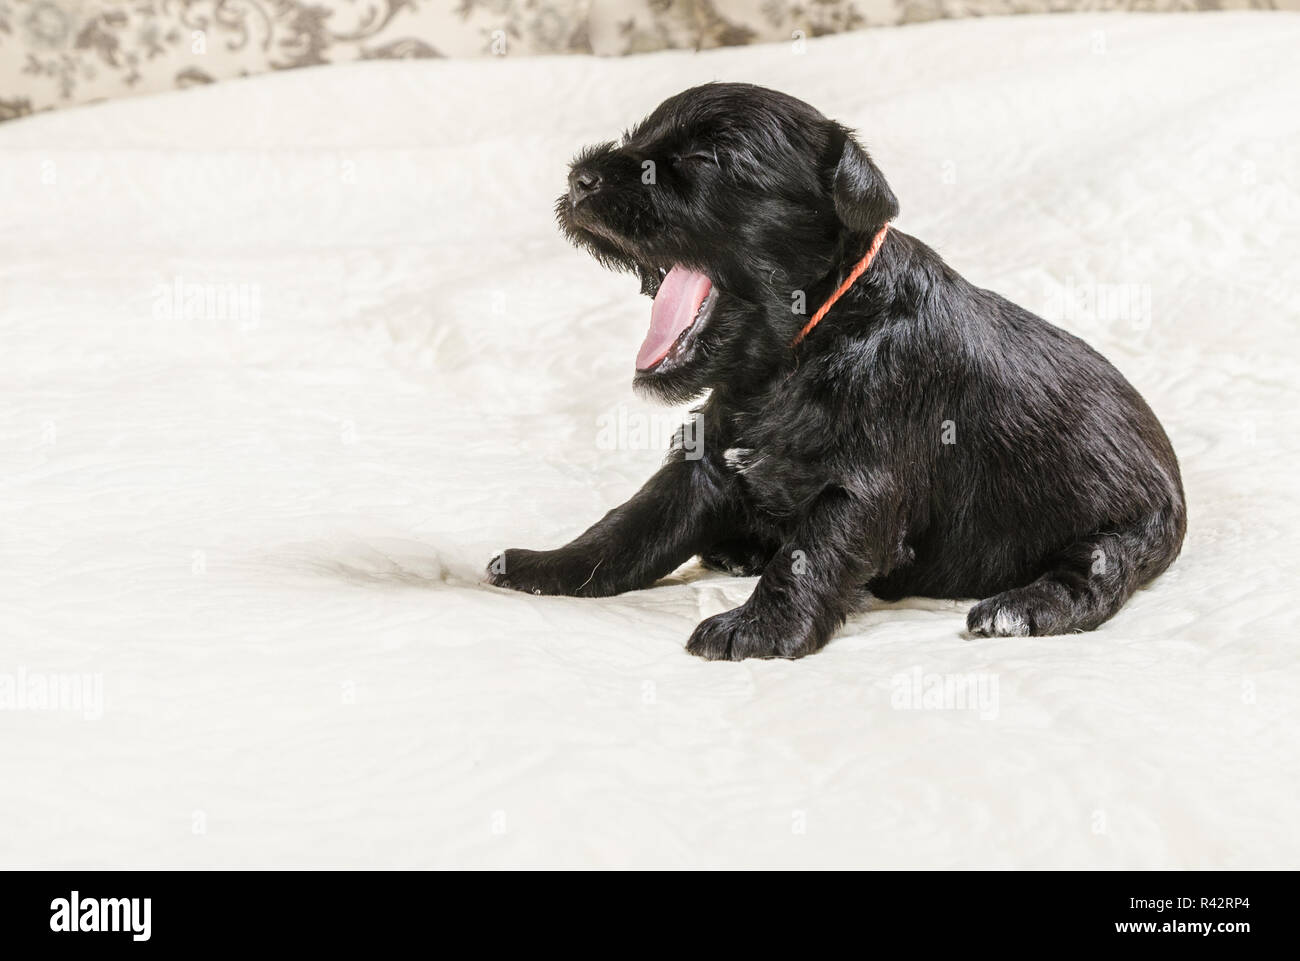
x=240, y=909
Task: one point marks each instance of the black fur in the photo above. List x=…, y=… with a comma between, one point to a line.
x=927, y=438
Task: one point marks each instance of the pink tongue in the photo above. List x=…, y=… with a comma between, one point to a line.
x=675, y=307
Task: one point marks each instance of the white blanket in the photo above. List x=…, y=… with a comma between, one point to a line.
x=255, y=520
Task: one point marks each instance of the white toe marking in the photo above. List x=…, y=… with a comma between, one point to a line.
x=1009, y=624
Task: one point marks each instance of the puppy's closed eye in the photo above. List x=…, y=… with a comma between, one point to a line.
x=697, y=157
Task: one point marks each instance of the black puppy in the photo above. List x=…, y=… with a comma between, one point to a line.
x=920, y=437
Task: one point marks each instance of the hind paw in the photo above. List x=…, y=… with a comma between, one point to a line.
x=738, y=558
x=1023, y=612
x=733, y=564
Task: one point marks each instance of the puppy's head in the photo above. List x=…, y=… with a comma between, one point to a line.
x=726, y=201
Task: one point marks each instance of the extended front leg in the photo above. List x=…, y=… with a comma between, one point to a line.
x=679, y=511
x=807, y=590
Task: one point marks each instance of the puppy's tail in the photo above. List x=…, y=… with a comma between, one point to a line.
x=1085, y=584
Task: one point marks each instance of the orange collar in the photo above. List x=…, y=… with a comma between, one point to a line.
x=858, y=270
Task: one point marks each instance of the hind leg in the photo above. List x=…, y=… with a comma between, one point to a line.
x=1085, y=584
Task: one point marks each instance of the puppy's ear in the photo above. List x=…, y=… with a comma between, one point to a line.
x=863, y=200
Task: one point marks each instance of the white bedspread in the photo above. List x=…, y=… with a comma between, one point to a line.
x=261, y=529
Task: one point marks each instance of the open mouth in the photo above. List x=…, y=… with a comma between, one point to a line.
x=682, y=303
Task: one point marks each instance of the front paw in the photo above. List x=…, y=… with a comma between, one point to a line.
x=740, y=633
x=562, y=572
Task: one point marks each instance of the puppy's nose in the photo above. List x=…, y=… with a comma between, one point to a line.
x=582, y=183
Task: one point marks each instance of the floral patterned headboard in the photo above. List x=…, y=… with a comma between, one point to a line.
x=55, y=53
